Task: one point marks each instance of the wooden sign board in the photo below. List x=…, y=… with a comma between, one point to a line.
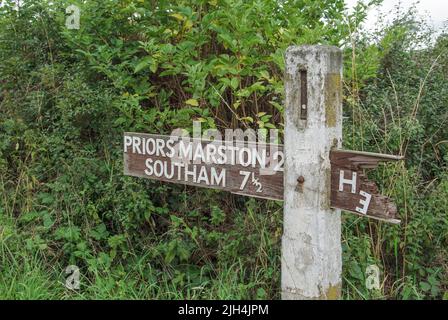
x=350, y=189
x=252, y=169
x=249, y=169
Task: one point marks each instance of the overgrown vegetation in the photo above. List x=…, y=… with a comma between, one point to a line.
x=66, y=96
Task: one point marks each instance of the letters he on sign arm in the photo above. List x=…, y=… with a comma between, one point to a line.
x=352, y=191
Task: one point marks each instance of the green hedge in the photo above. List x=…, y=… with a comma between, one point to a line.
x=66, y=96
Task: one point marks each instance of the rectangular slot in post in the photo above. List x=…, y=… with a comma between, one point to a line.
x=303, y=95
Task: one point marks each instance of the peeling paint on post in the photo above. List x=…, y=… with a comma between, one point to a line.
x=311, y=244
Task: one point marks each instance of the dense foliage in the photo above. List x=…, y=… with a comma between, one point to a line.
x=66, y=97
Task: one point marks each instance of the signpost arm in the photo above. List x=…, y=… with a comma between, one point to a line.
x=311, y=244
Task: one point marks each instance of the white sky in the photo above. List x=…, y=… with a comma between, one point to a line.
x=436, y=9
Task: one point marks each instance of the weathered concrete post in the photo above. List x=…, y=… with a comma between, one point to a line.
x=311, y=244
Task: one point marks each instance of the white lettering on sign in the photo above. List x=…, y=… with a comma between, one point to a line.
x=246, y=175
x=279, y=155
x=194, y=152
x=257, y=184
x=343, y=181
x=365, y=203
x=185, y=172
x=127, y=143
x=241, y=167
x=255, y=181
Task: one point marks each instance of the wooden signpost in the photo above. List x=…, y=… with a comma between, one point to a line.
x=310, y=173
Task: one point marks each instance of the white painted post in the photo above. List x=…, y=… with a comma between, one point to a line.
x=311, y=244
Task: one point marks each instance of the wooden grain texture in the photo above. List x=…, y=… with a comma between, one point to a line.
x=380, y=207
x=272, y=185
